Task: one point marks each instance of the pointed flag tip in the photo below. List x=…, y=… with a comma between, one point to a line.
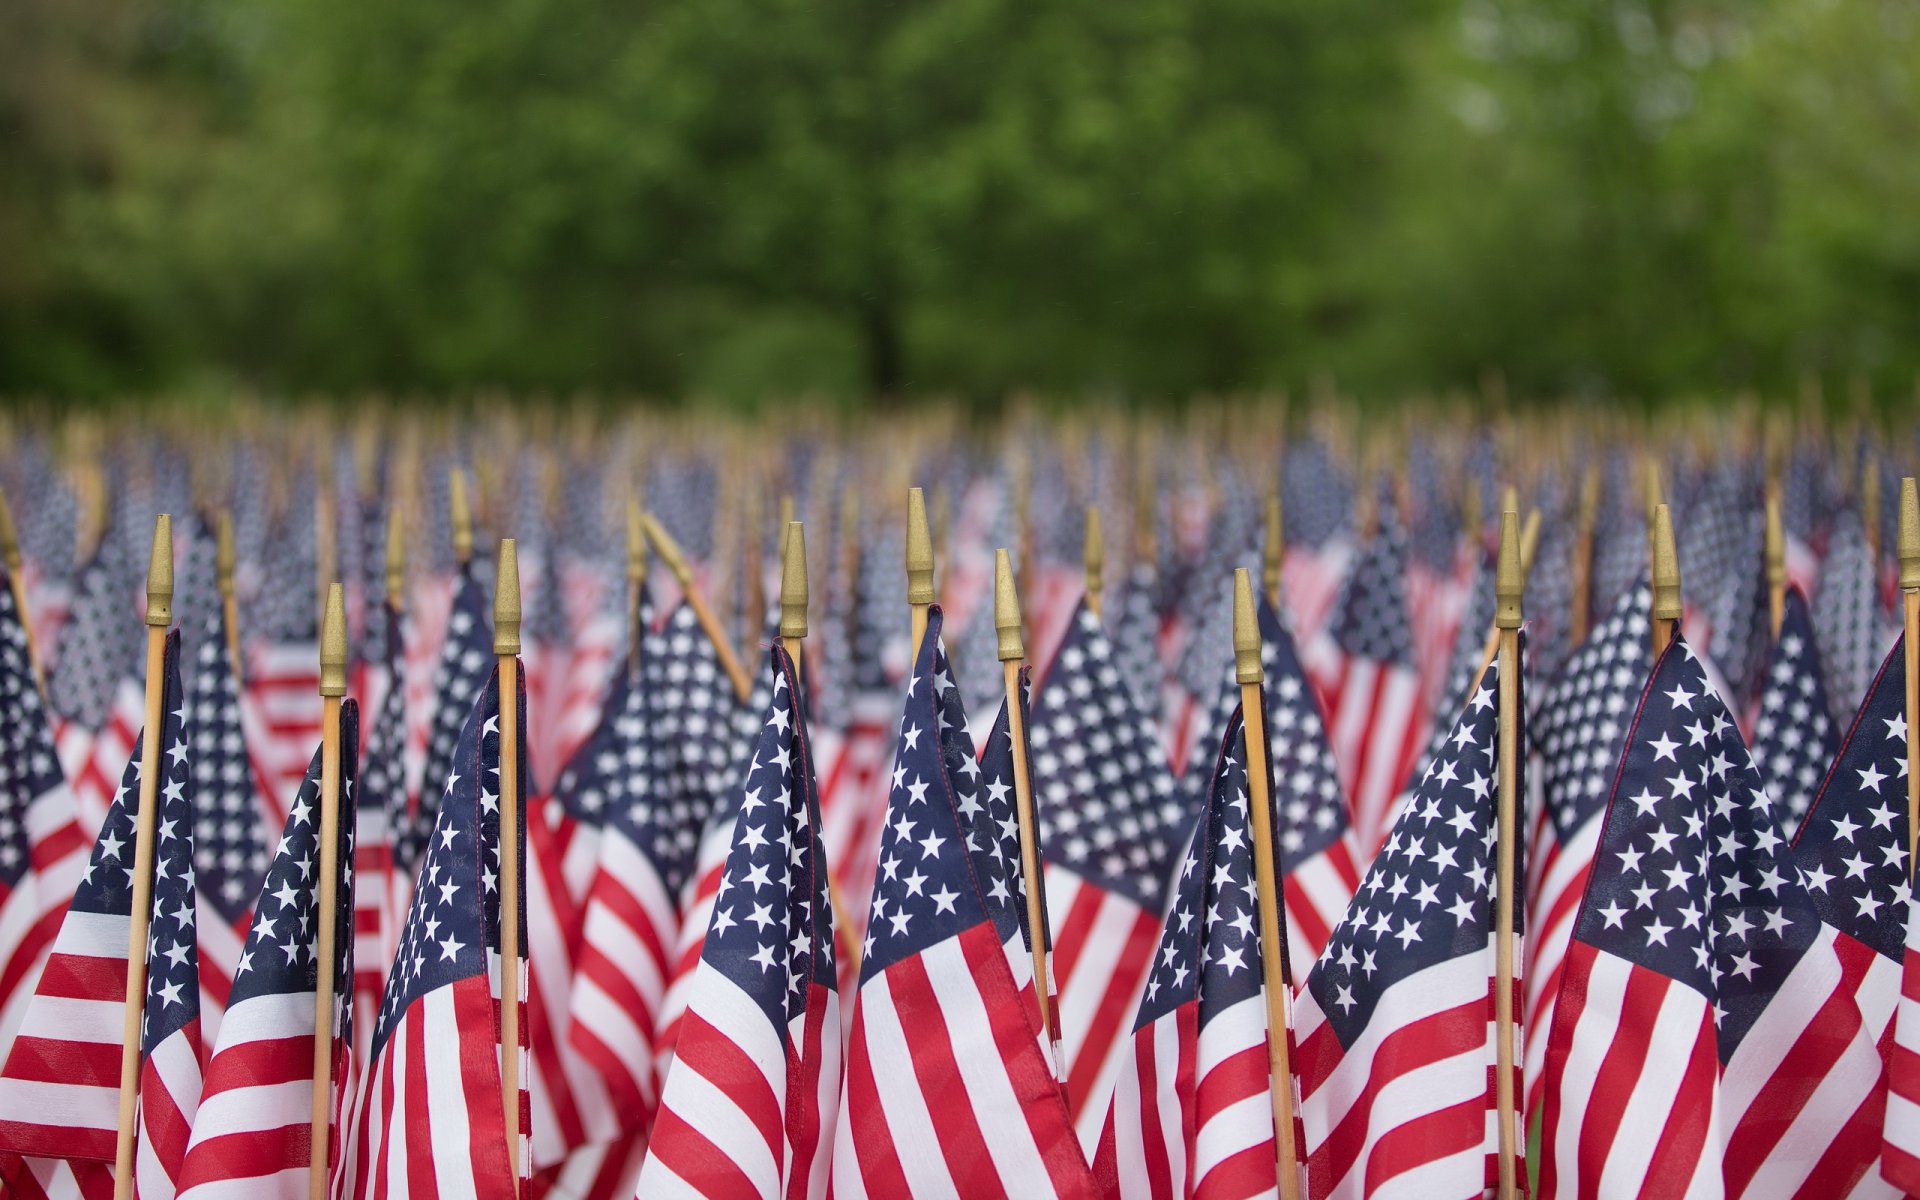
x=793, y=583
x=333, y=644
x=1666, y=567
x=1246, y=630
x=506, y=600
x=1909, y=534
x=919, y=549
x=1006, y=608
x=1510, y=580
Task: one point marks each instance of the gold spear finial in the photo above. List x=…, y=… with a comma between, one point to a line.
x=9, y=537
x=1666, y=567
x=919, y=549
x=1509, y=500
x=160, y=573
x=1273, y=552
x=1093, y=554
x=793, y=583
x=506, y=600
x=1652, y=485
x=223, y=556
x=1909, y=535
x=1246, y=630
x=670, y=552
x=1776, y=543
x=333, y=644
x=636, y=542
x=1006, y=608
x=1529, y=542
x=461, y=512
x=1510, y=579
x=1870, y=507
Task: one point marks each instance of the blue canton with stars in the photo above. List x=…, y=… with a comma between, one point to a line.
x=230, y=851
x=465, y=659
x=1210, y=947
x=1852, y=848
x=992, y=821
x=1113, y=812
x=772, y=927
x=282, y=951
x=692, y=722
x=1691, y=877
x=1581, y=723
x=1794, y=737
x=1370, y=617
x=29, y=767
x=173, y=940
x=1429, y=895
x=383, y=785
x=925, y=891
x=610, y=768
x=454, y=921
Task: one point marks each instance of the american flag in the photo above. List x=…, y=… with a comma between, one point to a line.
x=427, y=1118
x=43, y=851
x=948, y=1088
x=94, y=685
x=1112, y=830
x=1794, y=737
x=1853, y=630
x=230, y=845
x=1578, y=732
x=1900, y=1144
x=381, y=795
x=750, y=1104
x=1395, y=1026
x=252, y=1135
x=60, y=1091
x=1363, y=665
x=1684, y=1052
x=1191, y=1114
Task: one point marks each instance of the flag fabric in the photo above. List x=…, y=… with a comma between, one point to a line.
x=427, y=1118
x=60, y=1089
x=1363, y=665
x=1794, y=737
x=252, y=1136
x=94, y=685
x=1694, y=1040
x=750, y=1103
x=948, y=1085
x=1853, y=629
x=380, y=798
x=43, y=851
x=1114, y=820
x=1192, y=1112
x=1397, y=1044
x=229, y=846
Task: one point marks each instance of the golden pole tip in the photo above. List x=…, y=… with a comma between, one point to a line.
x=1246, y=630
x=506, y=600
x=1909, y=535
x=1006, y=608
x=1776, y=544
x=1529, y=542
x=636, y=541
x=9, y=537
x=670, y=552
x=461, y=512
x=919, y=549
x=1509, y=580
x=396, y=554
x=1093, y=553
x=333, y=644
x=793, y=583
x=160, y=573
x=1666, y=567
x=1509, y=500
x=223, y=556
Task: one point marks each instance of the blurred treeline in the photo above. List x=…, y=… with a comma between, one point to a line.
x=1135, y=198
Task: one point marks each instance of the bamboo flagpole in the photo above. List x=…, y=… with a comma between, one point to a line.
x=1274, y=551
x=1093, y=560
x=396, y=561
x=159, y=618
x=16, y=578
x=1013, y=653
x=223, y=568
x=1910, y=626
x=676, y=560
x=1252, y=678
x=1667, y=608
x=333, y=686
x=506, y=646
x=919, y=566
x=1509, y=586
x=1490, y=649
x=1776, y=553
x=460, y=516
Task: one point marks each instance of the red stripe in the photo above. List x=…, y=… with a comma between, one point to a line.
x=57, y=844
x=84, y=977
x=1070, y=935
x=57, y=1060
x=29, y=951
x=1621, y=1066
x=1683, y=1139
x=248, y=1154
x=1429, y=1137
x=165, y=1127
x=803, y=1094
x=873, y=1146
x=1314, y=926
x=478, y=1014
x=688, y=1153
x=384, y=1114
x=1241, y=1175
x=416, y=1123
x=1153, y=1145
x=625, y=1092
x=1115, y=1010
x=715, y=1056
x=930, y=1048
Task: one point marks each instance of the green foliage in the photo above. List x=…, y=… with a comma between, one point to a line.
x=1146, y=197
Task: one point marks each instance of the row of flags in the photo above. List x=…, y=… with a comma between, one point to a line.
x=633, y=904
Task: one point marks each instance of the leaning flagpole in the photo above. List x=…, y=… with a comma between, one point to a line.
x=333, y=686
x=1509, y=585
x=1251, y=675
x=159, y=618
x=506, y=646
x=676, y=560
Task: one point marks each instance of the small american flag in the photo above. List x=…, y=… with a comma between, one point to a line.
x=1113, y=828
x=1397, y=1042
x=1793, y=733
x=749, y=1106
x=948, y=1088
x=94, y=685
x=60, y=1091
x=1854, y=630
x=252, y=1135
x=427, y=1118
x=1191, y=1114
x=382, y=793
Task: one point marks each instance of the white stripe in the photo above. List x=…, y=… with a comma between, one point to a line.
x=1587, y=1046
x=1248, y=1122
x=902, y=1103
x=449, y=1124
x=827, y=1095
x=1128, y=1121
x=1677, y=1025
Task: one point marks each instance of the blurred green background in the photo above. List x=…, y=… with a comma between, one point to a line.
x=1133, y=198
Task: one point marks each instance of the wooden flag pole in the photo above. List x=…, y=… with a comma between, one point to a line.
x=1252, y=677
x=460, y=516
x=1013, y=652
x=1274, y=552
x=1776, y=552
x=1666, y=581
x=1490, y=649
x=223, y=568
x=396, y=561
x=1910, y=624
x=1870, y=513
x=1093, y=560
x=506, y=646
x=636, y=581
x=333, y=685
x=676, y=560
x=10, y=554
x=1509, y=585
x=919, y=567
x=159, y=617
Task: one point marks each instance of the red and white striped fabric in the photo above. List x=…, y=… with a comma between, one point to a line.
x=564, y=1084
x=1900, y=1146
x=92, y=758
x=60, y=1090
x=283, y=694
x=1436, y=601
